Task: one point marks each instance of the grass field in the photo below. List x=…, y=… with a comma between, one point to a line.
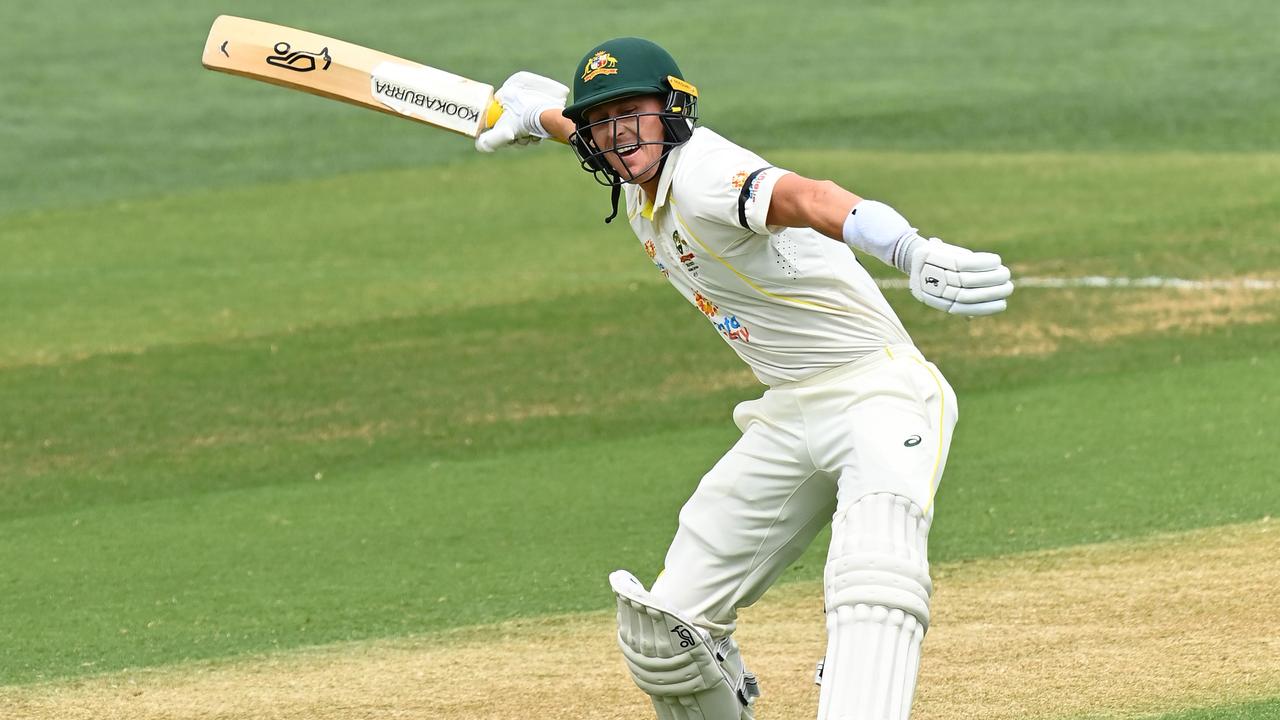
x=309, y=412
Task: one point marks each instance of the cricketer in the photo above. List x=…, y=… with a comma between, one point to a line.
x=854, y=426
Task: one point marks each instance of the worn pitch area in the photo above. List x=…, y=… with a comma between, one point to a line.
x=1118, y=629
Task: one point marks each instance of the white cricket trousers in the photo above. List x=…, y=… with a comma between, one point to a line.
x=881, y=424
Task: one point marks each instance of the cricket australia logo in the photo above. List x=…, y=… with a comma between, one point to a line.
x=686, y=637
x=602, y=63
x=686, y=255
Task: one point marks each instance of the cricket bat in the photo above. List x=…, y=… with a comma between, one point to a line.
x=342, y=71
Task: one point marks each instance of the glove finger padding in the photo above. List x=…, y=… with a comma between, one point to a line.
x=936, y=303
x=974, y=309
x=501, y=134
x=963, y=308
x=954, y=257
x=976, y=261
x=959, y=281
x=979, y=295
x=981, y=278
x=959, y=294
x=936, y=281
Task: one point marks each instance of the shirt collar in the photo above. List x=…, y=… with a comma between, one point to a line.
x=664, y=181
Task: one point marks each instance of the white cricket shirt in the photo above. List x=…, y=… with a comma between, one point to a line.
x=791, y=302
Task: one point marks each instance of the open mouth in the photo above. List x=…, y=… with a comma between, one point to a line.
x=627, y=150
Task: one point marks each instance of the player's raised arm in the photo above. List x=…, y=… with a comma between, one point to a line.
x=943, y=276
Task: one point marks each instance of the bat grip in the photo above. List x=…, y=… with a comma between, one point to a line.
x=492, y=114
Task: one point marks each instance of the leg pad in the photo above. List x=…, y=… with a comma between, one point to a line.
x=675, y=662
x=877, y=593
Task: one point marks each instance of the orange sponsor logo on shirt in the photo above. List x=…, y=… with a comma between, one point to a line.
x=707, y=307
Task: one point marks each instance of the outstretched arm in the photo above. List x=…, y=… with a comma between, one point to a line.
x=819, y=204
x=557, y=125
x=947, y=277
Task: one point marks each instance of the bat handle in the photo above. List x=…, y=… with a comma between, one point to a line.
x=492, y=114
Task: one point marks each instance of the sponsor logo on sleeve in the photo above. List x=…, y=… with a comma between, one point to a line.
x=739, y=180
x=650, y=249
x=602, y=63
x=755, y=185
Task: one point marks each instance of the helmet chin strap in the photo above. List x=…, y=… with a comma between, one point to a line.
x=617, y=193
x=617, y=189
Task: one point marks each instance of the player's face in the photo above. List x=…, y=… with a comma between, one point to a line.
x=633, y=140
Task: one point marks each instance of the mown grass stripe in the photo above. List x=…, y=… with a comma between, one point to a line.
x=1110, y=630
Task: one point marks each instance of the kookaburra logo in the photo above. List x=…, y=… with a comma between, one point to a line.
x=686, y=637
x=296, y=60
x=931, y=281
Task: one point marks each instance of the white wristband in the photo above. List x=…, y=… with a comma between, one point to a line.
x=882, y=232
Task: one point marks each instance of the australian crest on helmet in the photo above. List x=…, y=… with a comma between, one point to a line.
x=602, y=63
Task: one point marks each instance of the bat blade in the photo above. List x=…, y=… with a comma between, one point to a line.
x=351, y=73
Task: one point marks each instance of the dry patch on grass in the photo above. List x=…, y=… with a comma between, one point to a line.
x=707, y=381
x=1117, y=630
x=1092, y=316
x=703, y=381
x=521, y=412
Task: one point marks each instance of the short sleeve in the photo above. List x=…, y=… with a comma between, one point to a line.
x=754, y=196
x=732, y=186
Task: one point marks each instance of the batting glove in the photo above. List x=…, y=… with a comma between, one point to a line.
x=524, y=97
x=955, y=280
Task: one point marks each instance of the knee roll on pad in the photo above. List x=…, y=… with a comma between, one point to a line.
x=879, y=557
x=877, y=600
x=673, y=661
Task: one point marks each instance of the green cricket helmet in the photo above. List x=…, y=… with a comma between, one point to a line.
x=627, y=67
x=623, y=67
